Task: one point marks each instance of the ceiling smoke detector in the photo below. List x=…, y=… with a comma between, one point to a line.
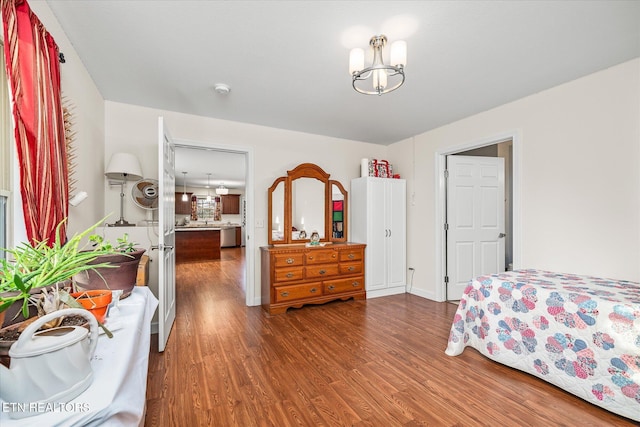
x=222, y=88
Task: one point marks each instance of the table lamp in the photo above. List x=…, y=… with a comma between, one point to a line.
x=123, y=167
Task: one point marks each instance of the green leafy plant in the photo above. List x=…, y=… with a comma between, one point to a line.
x=43, y=265
x=123, y=245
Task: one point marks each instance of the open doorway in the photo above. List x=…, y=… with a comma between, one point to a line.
x=507, y=146
x=209, y=167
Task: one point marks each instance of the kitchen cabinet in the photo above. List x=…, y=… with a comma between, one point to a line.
x=183, y=208
x=378, y=218
x=230, y=204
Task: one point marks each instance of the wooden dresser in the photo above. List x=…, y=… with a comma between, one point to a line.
x=295, y=275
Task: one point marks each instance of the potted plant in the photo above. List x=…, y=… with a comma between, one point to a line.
x=123, y=259
x=37, y=280
x=34, y=267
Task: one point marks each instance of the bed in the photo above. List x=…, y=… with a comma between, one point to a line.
x=579, y=333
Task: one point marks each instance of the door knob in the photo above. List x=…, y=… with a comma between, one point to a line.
x=501, y=235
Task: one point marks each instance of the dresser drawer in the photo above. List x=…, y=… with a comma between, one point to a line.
x=321, y=256
x=288, y=274
x=319, y=271
x=350, y=267
x=288, y=260
x=351, y=255
x=294, y=292
x=344, y=285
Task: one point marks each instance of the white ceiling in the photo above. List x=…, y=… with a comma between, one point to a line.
x=287, y=61
x=226, y=168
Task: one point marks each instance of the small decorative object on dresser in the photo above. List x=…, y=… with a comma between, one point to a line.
x=296, y=270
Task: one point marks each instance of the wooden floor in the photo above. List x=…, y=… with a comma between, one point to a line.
x=378, y=362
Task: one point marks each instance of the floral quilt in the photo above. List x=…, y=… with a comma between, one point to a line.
x=579, y=333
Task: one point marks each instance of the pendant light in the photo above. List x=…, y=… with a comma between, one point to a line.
x=208, y=185
x=185, y=198
x=222, y=190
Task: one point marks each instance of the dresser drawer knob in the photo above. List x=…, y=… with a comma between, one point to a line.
x=310, y=256
x=351, y=268
x=322, y=271
x=355, y=284
x=351, y=256
x=284, y=294
x=289, y=260
x=331, y=287
x=289, y=275
x=333, y=255
x=313, y=290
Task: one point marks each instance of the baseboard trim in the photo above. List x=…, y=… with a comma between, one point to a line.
x=424, y=294
x=376, y=293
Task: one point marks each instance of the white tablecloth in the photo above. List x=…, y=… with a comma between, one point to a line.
x=117, y=395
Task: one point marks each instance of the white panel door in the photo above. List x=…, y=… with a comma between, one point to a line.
x=166, y=235
x=377, y=232
x=396, y=229
x=475, y=218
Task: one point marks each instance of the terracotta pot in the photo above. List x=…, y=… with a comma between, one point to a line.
x=96, y=301
x=122, y=277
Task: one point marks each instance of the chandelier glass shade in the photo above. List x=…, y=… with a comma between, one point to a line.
x=378, y=78
x=222, y=190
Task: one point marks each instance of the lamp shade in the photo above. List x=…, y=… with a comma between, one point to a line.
x=356, y=60
x=124, y=166
x=399, y=53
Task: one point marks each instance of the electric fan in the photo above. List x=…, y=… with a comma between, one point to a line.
x=145, y=194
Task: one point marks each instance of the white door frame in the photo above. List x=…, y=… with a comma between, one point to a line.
x=251, y=299
x=440, y=192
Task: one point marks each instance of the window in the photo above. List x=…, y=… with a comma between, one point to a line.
x=5, y=156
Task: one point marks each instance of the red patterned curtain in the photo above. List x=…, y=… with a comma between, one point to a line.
x=34, y=75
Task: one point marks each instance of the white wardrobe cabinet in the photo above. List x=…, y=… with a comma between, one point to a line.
x=378, y=218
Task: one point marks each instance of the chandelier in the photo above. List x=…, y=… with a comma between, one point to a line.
x=222, y=190
x=378, y=78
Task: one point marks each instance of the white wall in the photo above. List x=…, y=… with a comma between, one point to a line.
x=133, y=129
x=580, y=177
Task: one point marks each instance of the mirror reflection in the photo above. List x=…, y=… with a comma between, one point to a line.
x=277, y=213
x=307, y=208
x=337, y=212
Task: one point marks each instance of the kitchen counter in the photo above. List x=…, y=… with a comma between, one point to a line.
x=213, y=225
x=196, y=228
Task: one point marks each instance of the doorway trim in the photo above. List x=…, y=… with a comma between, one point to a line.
x=251, y=299
x=440, y=196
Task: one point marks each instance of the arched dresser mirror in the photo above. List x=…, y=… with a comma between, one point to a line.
x=304, y=201
x=296, y=269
